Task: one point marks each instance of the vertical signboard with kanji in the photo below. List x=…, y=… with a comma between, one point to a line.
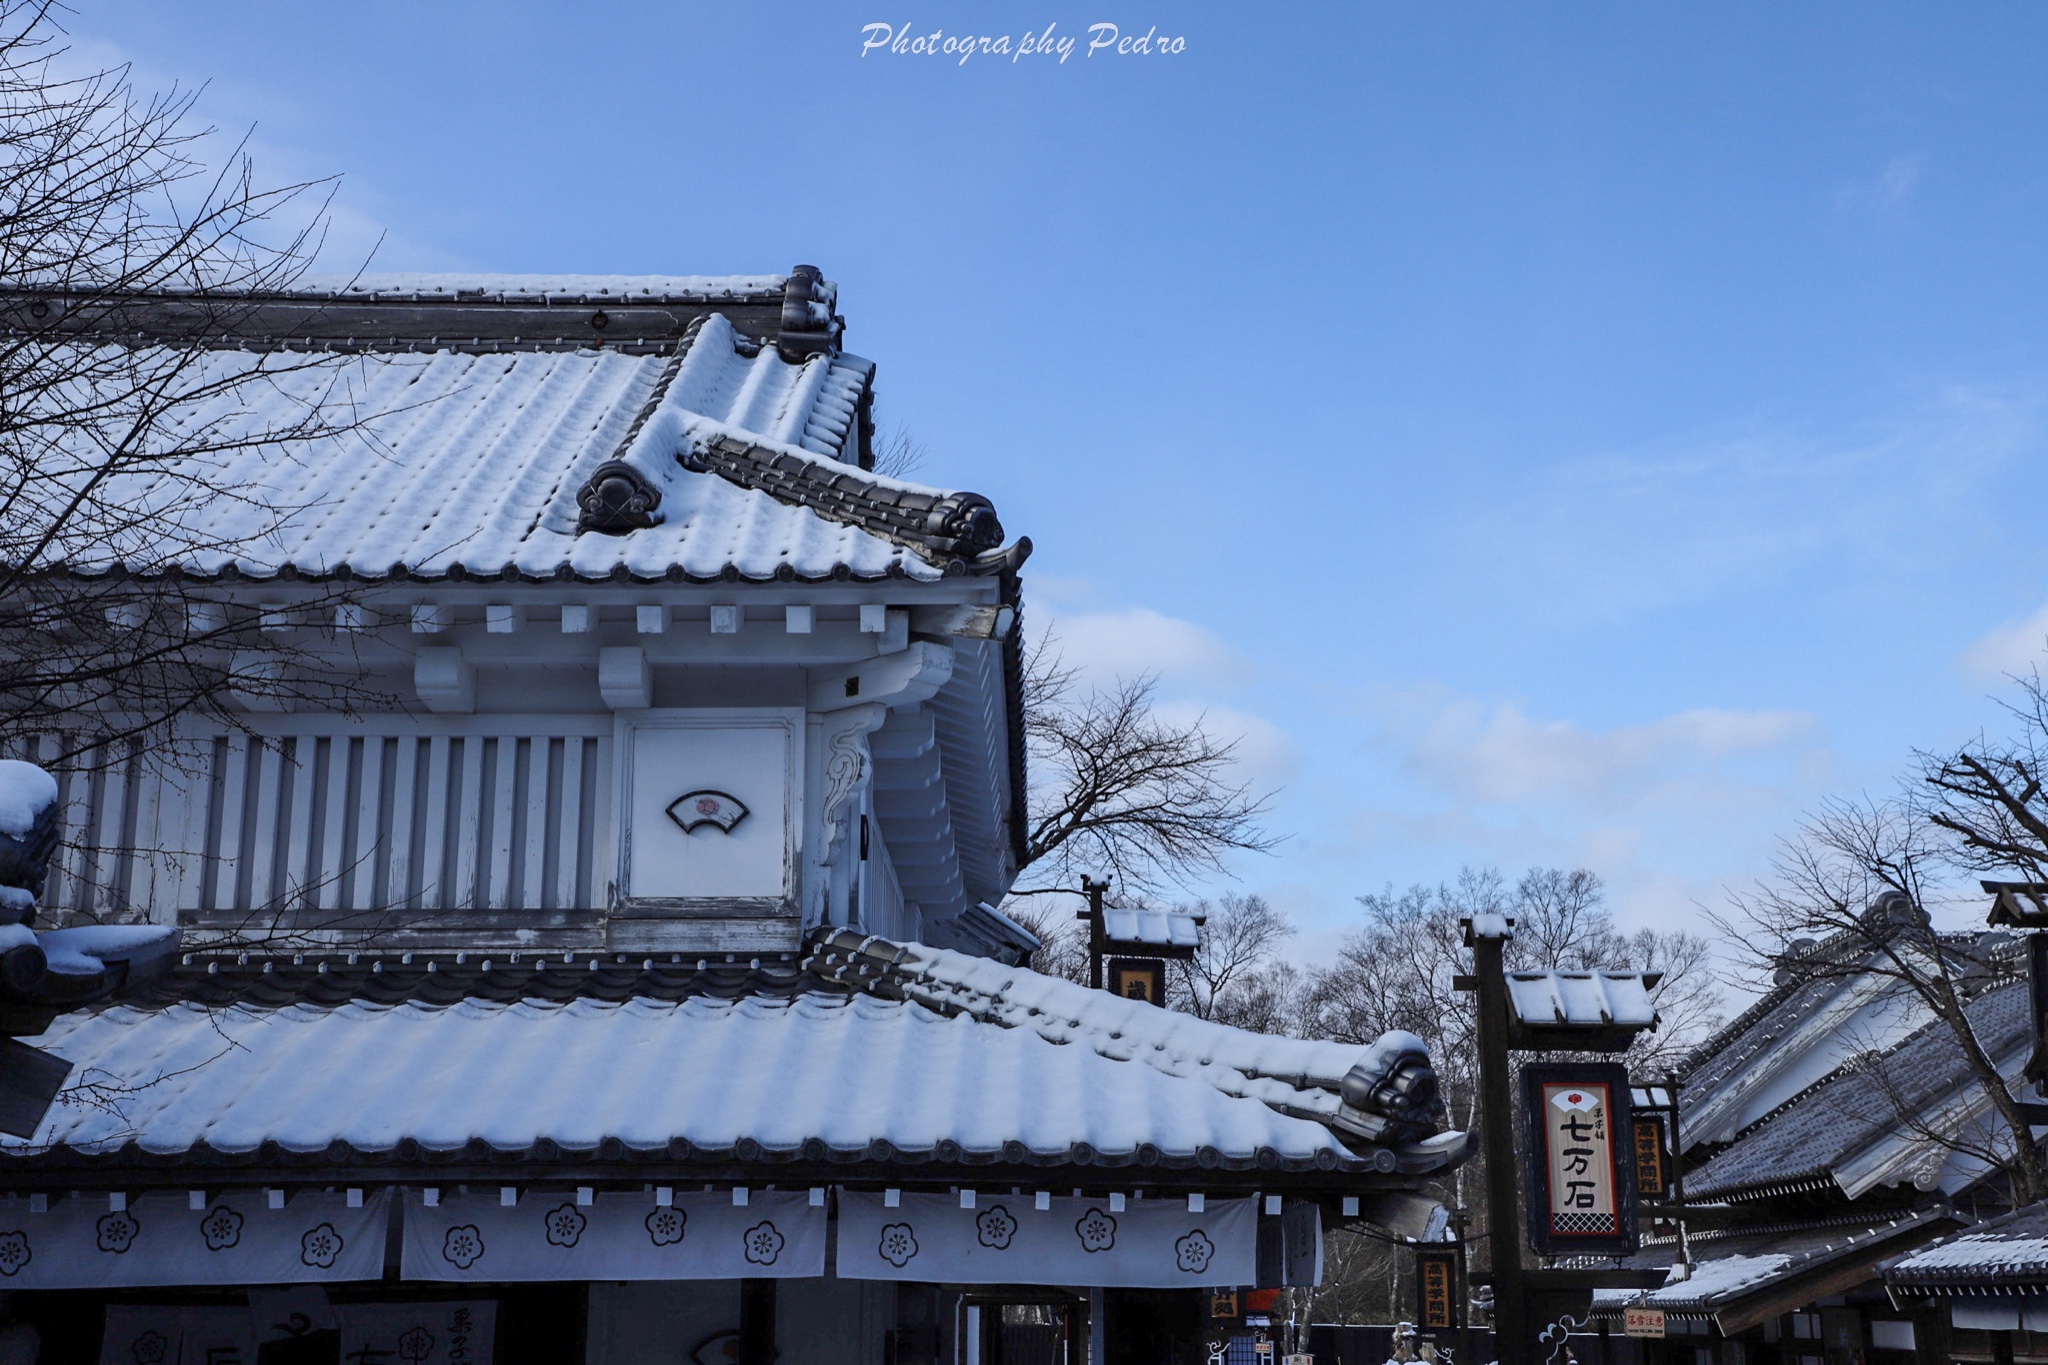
x=1436, y=1289
x=1579, y=1159
x=1653, y=1167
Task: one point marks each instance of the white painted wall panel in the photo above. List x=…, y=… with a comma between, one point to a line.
x=748, y=754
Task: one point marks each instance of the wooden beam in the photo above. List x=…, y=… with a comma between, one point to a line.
x=899, y=679
x=444, y=680
x=624, y=678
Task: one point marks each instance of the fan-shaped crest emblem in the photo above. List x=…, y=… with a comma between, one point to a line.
x=707, y=808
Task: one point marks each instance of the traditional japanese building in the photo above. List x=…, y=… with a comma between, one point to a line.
x=1984, y=1291
x=617, y=975
x=1829, y=1130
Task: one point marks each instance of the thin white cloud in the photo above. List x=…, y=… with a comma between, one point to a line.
x=1500, y=756
x=2008, y=650
x=1670, y=812
x=1266, y=755
x=1192, y=666
x=1886, y=194
x=1607, y=536
x=1129, y=641
x=1896, y=182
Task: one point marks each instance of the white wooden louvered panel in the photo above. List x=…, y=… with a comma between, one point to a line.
x=321, y=814
x=347, y=820
x=110, y=851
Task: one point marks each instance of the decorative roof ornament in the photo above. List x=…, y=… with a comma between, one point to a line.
x=959, y=531
x=809, y=324
x=617, y=499
x=967, y=520
x=692, y=809
x=1392, y=1094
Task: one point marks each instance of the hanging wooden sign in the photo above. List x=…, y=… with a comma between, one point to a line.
x=1653, y=1164
x=1436, y=1289
x=1138, y=978
x=1579, y=1175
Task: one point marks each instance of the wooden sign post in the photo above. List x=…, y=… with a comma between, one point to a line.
x=1591, y=1208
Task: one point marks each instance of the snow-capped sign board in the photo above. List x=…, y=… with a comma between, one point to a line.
x=1643, y=1322
x=1579, y=1160
x=701, y=1235
x=1008, y=1239
x=159, y=1239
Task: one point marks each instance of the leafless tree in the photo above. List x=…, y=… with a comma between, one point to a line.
x=114, y=458
x=1123, y=792
x=1398, y=971
x=1986, y=795
x=1847, y=900
x=1062, y=938
x=900, y=454
x=1236, y=975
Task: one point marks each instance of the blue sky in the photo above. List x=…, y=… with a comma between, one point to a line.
x=1564, y=435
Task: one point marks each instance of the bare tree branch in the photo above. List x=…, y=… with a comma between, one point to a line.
x=1123, y=792
x=1235, y=976
x=1846, y=901
x=120, y=490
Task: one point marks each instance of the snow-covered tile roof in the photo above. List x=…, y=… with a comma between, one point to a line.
x=1293, y=1075
x=1729, y=1266
x=276, y=1059
x=1824, y=1009
x=1165, y=928
x=460, y=463
x=814, y=1075
x=2007, y=1250
x=1587, y=999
